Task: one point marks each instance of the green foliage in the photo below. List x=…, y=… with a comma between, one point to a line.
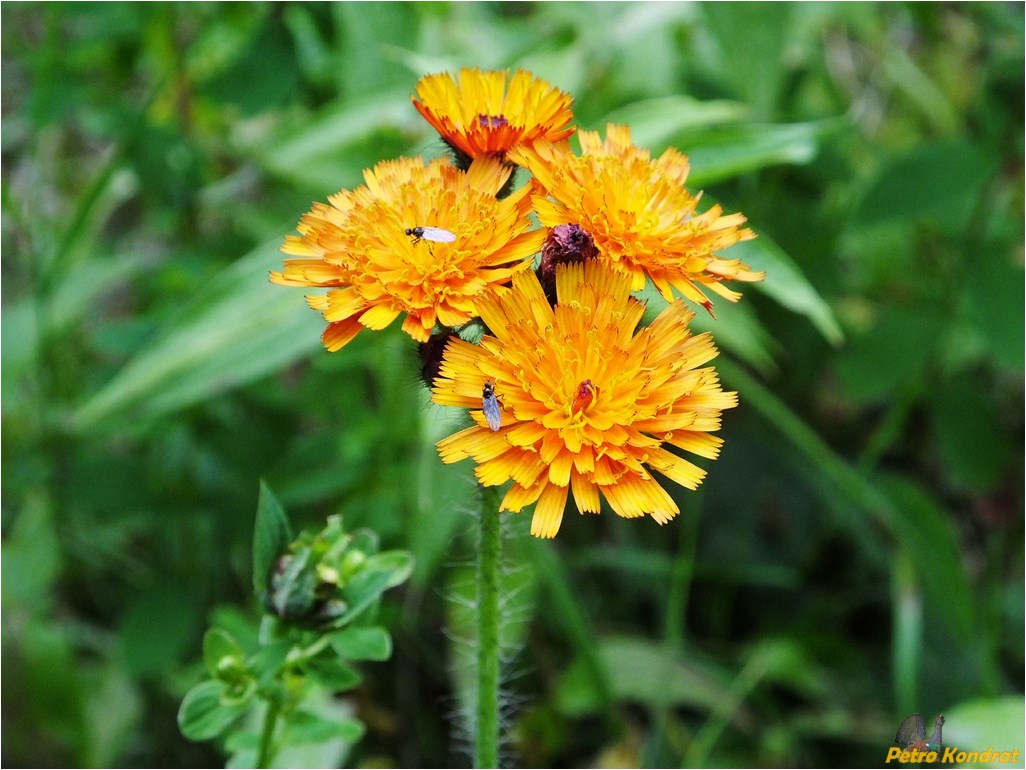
x=855, y=555
x=314, y=589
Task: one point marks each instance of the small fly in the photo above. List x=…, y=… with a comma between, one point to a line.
x=490, y=404
x=435, y=234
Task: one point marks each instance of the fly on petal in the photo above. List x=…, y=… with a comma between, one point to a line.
x=435, y=234
x=490, y=405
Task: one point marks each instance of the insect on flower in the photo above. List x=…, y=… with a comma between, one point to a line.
x=436, y=234
x=490, y=405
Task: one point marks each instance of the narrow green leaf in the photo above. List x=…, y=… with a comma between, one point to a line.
x=31, y=560
x=371, y=643
x=239, y=328
x=924, y=530
x=655, y=122
x=203, y=715
x=313, y=154
x=787, y=285
x=271, y=537
x=736, y=150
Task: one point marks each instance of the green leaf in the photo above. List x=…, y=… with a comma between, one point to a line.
x=360, y=592
x=960, y=417
x=218, y=644
x=31, y=558
x=738, y=331
x=924, y=529
x=371, y=643
x=937, y=181
x=396, y=564
x=891, y=356
x=203, y=715
x=314, y=154
x=333, y=674
x=378, y=573
x=978, y=725
x=736, y=150
x=787, y=285
x=751, y=39
x=305, y=727
x=114, y=710
x=654, y=123
x=239, y=328
x=269, y=659
x=644, y=671
x=271, y=537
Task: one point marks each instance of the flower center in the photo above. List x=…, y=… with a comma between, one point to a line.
x=492, y=121
x=584, y=396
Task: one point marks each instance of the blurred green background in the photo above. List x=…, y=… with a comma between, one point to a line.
x=856, y=553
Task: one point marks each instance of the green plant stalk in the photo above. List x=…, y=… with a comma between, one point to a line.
x=268, y=749
x=907, y=623
x=489, y=562
x=743, y=685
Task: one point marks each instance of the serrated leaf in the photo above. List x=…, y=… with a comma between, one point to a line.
x=203, y=714
x=372, y=643
x=239, y=328
x=271, y=537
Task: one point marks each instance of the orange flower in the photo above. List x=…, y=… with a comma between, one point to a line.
x=638, y=213
x=481, y=115
x=359, y=247
x=585, y=403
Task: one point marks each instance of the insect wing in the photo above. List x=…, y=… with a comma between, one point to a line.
x=490, y=405
x=436, y=234
x=912, y=729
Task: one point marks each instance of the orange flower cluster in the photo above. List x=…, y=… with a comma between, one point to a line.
x=568, y=393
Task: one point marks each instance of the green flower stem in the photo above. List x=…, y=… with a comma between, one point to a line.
x=489, y=561
x=267, y=748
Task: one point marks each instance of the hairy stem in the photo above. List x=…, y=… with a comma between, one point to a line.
x=489, y=561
